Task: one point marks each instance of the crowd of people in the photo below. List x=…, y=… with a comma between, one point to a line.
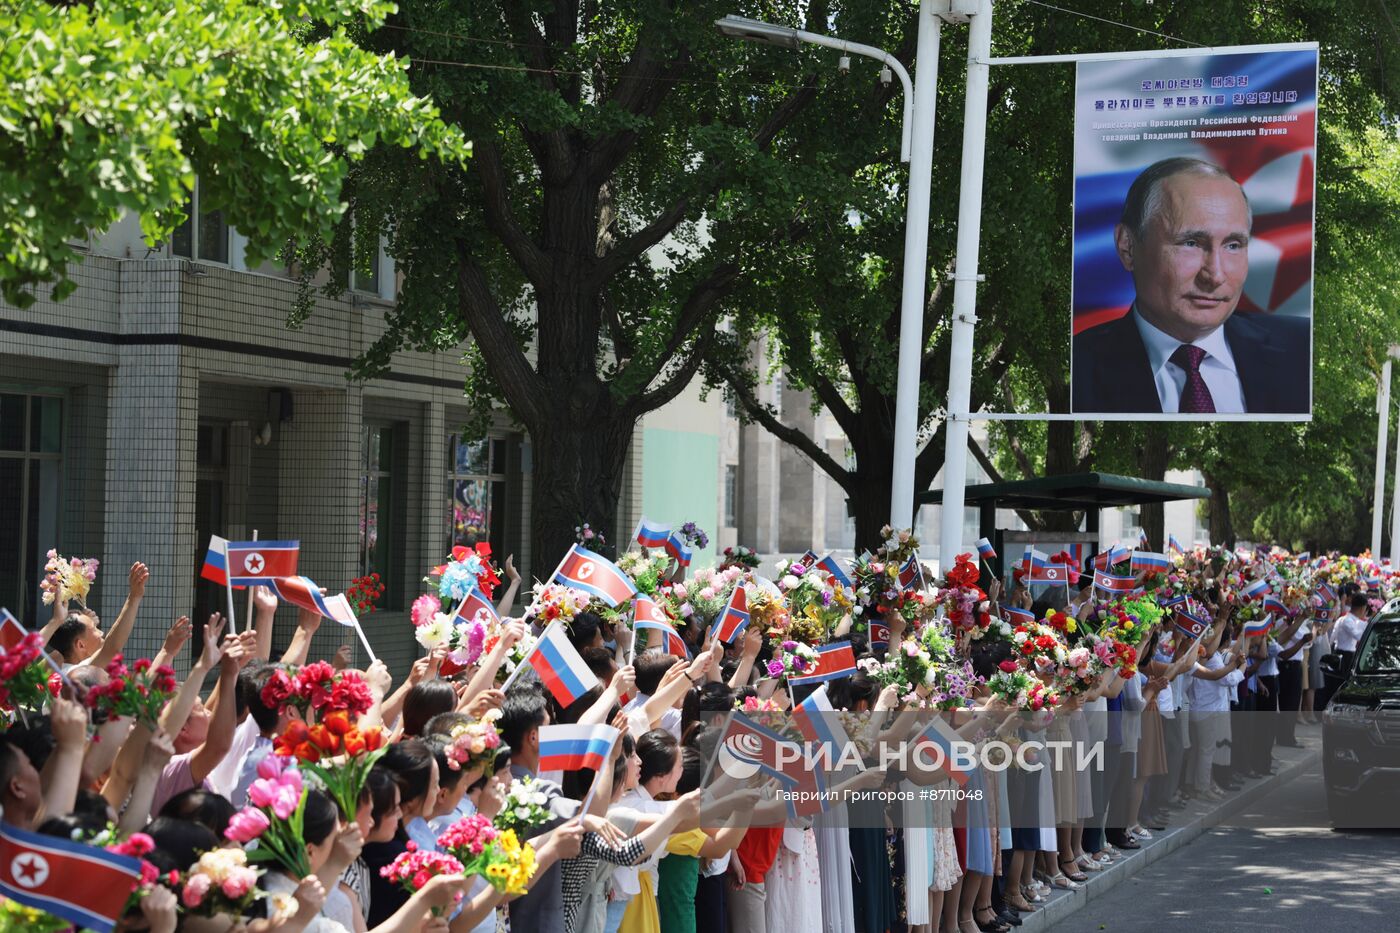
x=268, y=791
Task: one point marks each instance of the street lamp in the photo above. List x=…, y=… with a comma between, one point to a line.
x=916, y=148
x=1383, y=418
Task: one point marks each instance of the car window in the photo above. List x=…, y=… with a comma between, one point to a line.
x=1380, y=652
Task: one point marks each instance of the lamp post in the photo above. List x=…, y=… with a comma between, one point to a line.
x=916, y=148
x=1382, y=438
x=1392, y=353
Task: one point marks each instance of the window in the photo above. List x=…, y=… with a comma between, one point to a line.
x=731, y=495
x=731, y=406
x=203, y=235
x=31, y=461
x=364, y=277
x=778, y=396
x=378, y=509
x=476, y=490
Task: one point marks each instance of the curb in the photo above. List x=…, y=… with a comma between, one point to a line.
x=1066, y=903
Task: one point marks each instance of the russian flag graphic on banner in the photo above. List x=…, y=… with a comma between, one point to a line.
x=11, y=632
x=253, y=562
x=85, y=885
x=735, y=617
x=1150, y=561
x=1256, y=590
x=216, y=561
x=305, y=594
x=652, y=534
x=472, y=607
x=647, y=616
x=1076, y=554
x=1011, y=615
x=575, y=747
x=879, y=635
x=1114, y=584
x=831, y=565
x=1257, y=627
x=833, y=661
x=942, y=735
x=985, y=549
x=596, y=575
x=559, y=666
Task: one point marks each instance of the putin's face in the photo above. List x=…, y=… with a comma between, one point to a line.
x=1190, y=264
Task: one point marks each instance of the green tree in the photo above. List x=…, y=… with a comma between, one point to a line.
x=623, y=161
x=110, y=106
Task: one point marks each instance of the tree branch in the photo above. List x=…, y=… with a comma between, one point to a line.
x=519, y=382
x=676, y=383
x=799, y=439
x=499, y=217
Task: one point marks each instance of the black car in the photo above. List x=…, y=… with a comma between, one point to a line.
x=1361, y=729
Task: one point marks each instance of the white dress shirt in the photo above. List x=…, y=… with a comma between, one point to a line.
x=1347, y=632
x=1217, y=369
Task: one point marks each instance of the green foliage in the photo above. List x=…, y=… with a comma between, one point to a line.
x=111, y=106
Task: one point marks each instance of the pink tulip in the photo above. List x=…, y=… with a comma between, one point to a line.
x=246, y=825
x=195, y=890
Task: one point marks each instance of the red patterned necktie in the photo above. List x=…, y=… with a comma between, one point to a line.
x=1195, y=395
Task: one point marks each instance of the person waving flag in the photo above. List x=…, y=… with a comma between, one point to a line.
x=85, y=885
x=735, y=617
x=985, y=549
x=575, y=747
x=833, y=661
x=595, y=575
x=648, y=617
x=558, y=665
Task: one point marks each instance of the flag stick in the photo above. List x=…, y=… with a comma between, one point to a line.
x=365, y=641
x=526, y=660
x=250, y=589
x=228, y=587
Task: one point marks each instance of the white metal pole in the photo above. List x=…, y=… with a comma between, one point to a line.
x=979, y=49
x=1382, y=441
x=911, y=306
x=1395, y=508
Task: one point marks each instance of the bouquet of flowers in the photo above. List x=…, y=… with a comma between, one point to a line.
x=585, y=535
x=1021, y=690
x=465, y=570
x=648, y=569
x=815, y=602
x=318, y=688
x=363, y=593
x=272, y=820
x=16, y=918
x=556, y=601
x=739, y=556
x=709, y=589
x=499, y=857
x=792, y=660
x=910, y=668
x=414, y=868
x=1038, y=647
x=140, y=692
x=767, y=610
x=953, y=684
x=961, y=598
x=474, y=744
x=221, y=882
x=1080, y=671
x=67, y=578
x=24, y=675
x=523, y=808
x=751, y=705
x=336, y=752
x=694, y=536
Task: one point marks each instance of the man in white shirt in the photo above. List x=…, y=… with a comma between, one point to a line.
x=1349, y=629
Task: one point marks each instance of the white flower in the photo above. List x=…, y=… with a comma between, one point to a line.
x=789, y=582
x=522, y=813
x=435, y=632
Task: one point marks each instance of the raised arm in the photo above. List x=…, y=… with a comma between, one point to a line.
x=307, y=624
x=507, y=602
x=225, y=717
x=264, y=608
x=753, y=644
x=64, y=770
x=485, y=676
x=126, y=619
x=137, y=812
x=622, y=682
x=175, y=639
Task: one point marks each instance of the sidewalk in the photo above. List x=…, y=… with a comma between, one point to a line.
x=1187, y=823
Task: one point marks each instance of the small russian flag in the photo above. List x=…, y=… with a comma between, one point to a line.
x=1033, y=558
x=938, y=733
x=1151, y=562
x=1110, y=583
x=818, y=721
x=1256, y=590
x=678, y=549
x=1274, y=604
x=985, y=549
x=1174, y=545
x=1011, y=615
x=560, y=667
x=652, y=534
x=879, y=635
x=735, y=617
x=1114, y=555
x=303, y=593
x=1257, y=627
x=595, y=575
x=830, y=565
x=575, y=747
x=834, y=661
x=216, y=561
x=1142, y=539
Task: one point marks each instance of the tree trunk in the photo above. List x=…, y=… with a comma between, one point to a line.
x=871, y=508
x=578, y=471
x=1222, y=528
x=1153, y=459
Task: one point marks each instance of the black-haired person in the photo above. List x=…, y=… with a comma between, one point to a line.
x=660, y=771
x=266, y=722
x=77, y=637
x=678, y=873
x=414, y=769
x=377, y=818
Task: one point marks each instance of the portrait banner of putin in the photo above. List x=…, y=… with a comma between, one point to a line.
x=1193, y=235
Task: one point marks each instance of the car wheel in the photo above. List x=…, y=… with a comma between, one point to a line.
x=1341, y=811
